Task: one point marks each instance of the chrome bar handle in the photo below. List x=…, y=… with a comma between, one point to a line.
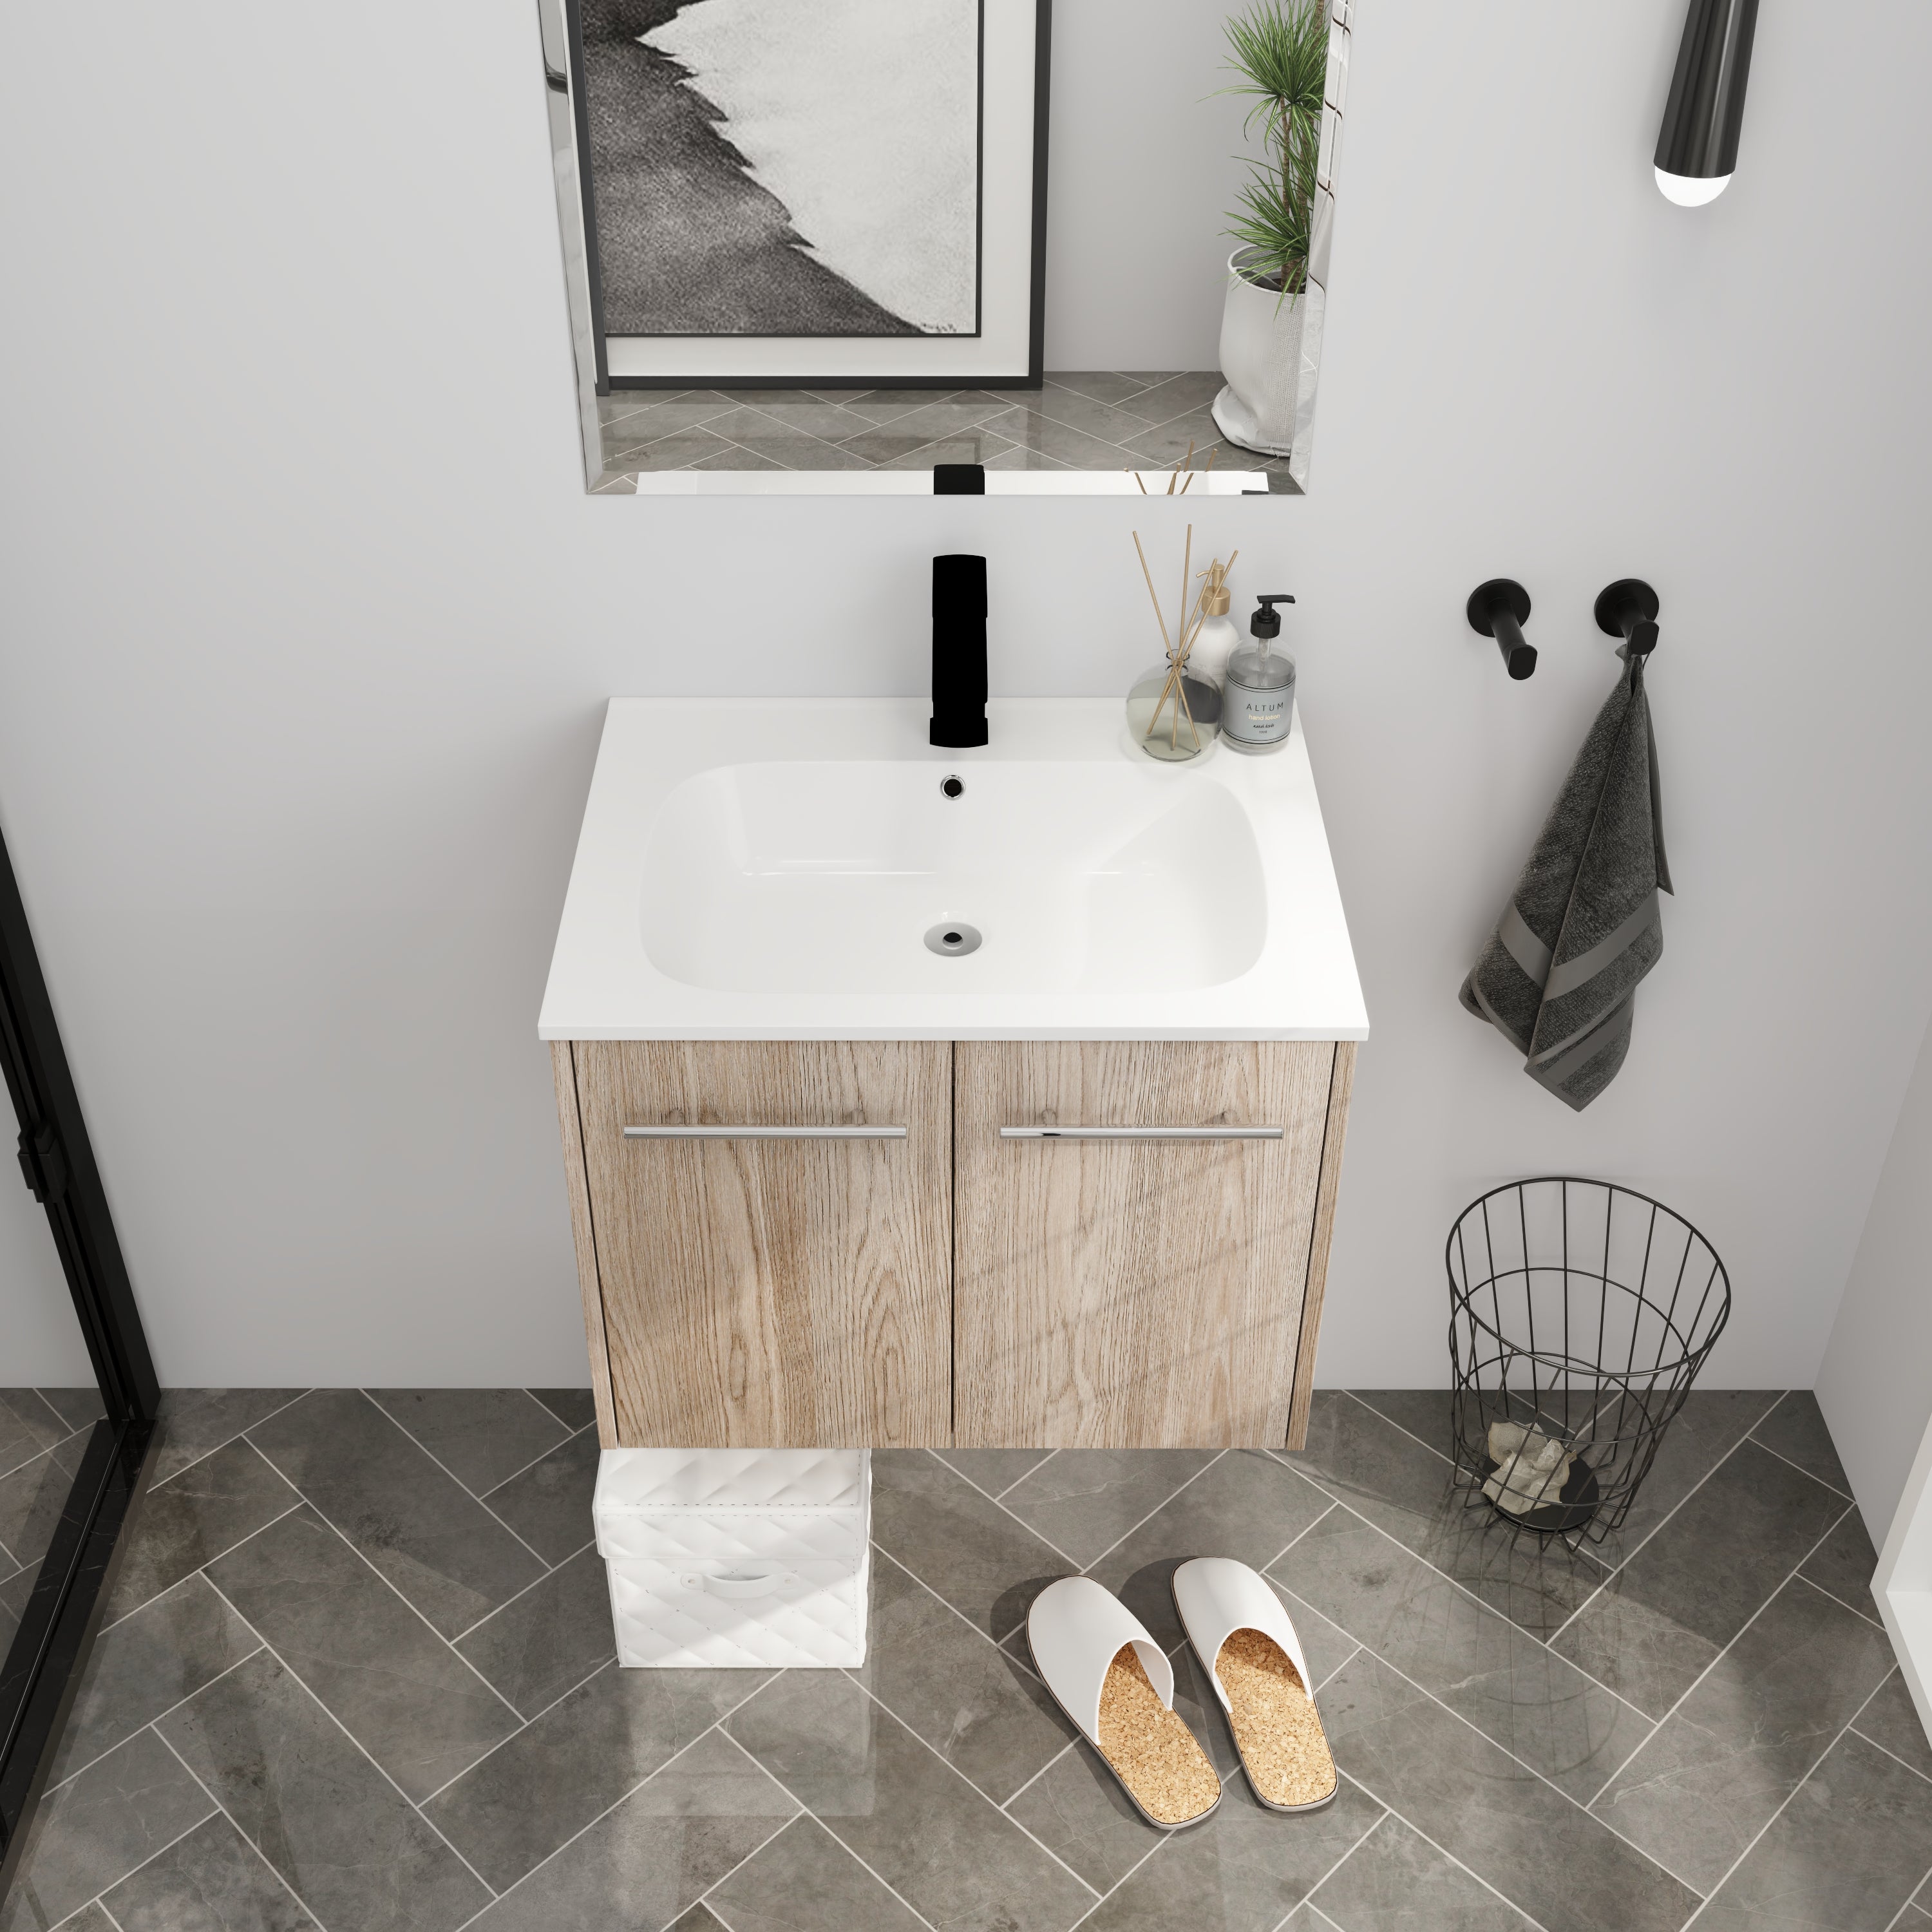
x=765, y=1133
x=1140, y=1133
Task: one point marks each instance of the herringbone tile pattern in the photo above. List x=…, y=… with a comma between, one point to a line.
x=358, y=1675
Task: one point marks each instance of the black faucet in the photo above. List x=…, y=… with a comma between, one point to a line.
x=958, y=651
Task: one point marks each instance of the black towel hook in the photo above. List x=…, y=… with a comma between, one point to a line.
x=1628, y=609
x=1499, y=609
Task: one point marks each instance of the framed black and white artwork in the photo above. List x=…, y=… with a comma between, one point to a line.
x=843, y=193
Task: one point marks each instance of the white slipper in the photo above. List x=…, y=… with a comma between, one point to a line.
x=1115, y=1683
x=1253, y=1658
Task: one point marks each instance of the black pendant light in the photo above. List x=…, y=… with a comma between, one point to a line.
x=1698, y=147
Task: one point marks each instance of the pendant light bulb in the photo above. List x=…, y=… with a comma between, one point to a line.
x=1697, y=146
x=1692, y=191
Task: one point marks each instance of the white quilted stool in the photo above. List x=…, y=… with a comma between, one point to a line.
x=746, y=1559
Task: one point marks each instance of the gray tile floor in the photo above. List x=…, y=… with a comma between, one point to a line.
x=358, y=1675
x=1093, y=419
x=42, y=1433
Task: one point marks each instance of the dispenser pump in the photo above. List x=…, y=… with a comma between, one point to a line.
x=1266, y=623
x=1258, y=706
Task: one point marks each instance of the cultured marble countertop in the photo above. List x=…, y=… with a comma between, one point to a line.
x=1129, y=899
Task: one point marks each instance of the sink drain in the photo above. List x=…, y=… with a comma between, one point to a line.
x=951, y=938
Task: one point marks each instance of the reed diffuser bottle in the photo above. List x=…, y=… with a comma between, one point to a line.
x=1172, y=714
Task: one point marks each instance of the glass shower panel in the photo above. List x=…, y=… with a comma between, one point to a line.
x=49, y=1403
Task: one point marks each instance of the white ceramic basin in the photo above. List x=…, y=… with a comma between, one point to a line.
x=822, y=878
x=770, y=869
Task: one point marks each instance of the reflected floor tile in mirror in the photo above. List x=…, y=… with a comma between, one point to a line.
x=1091, y=419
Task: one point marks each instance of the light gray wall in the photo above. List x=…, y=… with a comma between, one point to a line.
x=307, y=622
x=1875, y=1385
x=40, y=1344
x=1141, y=176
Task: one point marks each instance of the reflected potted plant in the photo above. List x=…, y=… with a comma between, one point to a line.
x=1280, y=50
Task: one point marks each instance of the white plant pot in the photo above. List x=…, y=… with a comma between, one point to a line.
x=1261, y=354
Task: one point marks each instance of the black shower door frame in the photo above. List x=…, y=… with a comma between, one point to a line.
x=42, y=1668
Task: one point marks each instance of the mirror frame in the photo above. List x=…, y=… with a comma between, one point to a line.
x=563, y=56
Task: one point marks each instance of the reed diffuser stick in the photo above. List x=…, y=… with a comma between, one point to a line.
x=1149, y=575
x=1175, y=654
x=1186, y=578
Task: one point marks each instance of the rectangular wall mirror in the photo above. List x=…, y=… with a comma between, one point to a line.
x=837, y=248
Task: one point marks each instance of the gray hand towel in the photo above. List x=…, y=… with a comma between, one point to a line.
x=1559, y=978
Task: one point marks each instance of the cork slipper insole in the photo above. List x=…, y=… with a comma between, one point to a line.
x=1277, y=1729
x=1151, y=1749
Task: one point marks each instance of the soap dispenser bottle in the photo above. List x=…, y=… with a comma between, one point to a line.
x=1257, y=690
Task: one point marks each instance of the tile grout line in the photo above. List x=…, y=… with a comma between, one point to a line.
x=151, y=1723
x=39, y=1455
x=451, y=1474
x=148, y=1603
x=716, y=1724
x=1002, y=1507
x=1853, y=1726
x=160, y=1851
x=1159, y=1844
x=568, y=1440
x=1179, y=1489
x=1630, y=1556
x=805, y=1810
x=1022, y=1476
x=1770, y=1598
x=59, y=1418
x=240, y=1436
x=1865, y=1616
x=1731, y=1869
x=1777, y=1396
x=224, y=1811
x=998, y=1643
x=1133, y=459
x=303, y=1682
x=1307, y=1897
x=1423, y=1690
x=971, y=1786
x=336, y=1532
x=470, y=1630
x=523, y=1723
x=1449, y=1460
x=1488, y=1609
x=569, y=1429
x=1536, y=1924
x=1798, y=1466
x=704, y=1897
x=609, y=1664
x=575, y=1428
x=1912, y=1904
x=1041, y=1773
x=1340, y=1667
x=596, y=1670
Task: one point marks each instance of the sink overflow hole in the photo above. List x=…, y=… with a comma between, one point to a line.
x=952, y=785
x=952, y=938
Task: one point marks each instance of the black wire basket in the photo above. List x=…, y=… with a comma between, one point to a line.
x=1580, y=1313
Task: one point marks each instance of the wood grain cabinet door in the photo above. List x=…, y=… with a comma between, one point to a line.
x=1135, y=1293
x=772, y=1291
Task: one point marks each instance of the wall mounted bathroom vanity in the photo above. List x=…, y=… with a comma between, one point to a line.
x=838, y=1179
